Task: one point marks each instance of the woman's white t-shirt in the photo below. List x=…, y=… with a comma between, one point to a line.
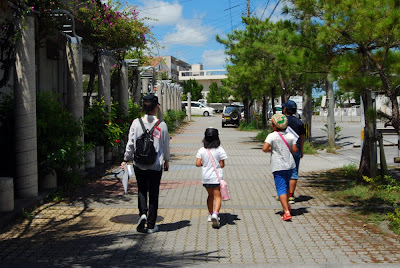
x=281, y=156
x=208, y=173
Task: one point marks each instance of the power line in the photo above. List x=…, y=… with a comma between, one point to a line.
x=264, y=10
x=274, y=9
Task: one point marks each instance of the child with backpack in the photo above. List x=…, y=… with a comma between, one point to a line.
x=212, y=152
x=281, y=144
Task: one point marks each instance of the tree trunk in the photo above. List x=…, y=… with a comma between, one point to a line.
x=264, y=111
x=307, y=112
x=273, y=99
x=331, y=111
x=246, y=109
x=368, y=158
x=395, y=113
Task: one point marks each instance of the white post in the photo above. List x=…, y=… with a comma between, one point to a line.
x=168, y=96
x=163, y=91
x=189, y=106
x=145, y=86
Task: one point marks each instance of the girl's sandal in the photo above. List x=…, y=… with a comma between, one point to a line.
x=287, y=216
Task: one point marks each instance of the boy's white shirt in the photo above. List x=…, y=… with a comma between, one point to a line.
x=208, y=173
x=281, y=156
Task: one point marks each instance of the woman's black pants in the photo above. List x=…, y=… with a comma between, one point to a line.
x=148, y=181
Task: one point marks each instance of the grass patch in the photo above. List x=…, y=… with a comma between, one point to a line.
x=262, y=135
x=374, y=199
x=309, y=148
x=243, y=126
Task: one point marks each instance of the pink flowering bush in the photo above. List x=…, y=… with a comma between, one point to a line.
x=109, y=26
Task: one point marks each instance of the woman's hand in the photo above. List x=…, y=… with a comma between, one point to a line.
x=123, y=164
x=166, y=166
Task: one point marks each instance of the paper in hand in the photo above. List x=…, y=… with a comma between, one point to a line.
x=127, y=174
x=125, y=180
x=130, y=170
x=290, y=130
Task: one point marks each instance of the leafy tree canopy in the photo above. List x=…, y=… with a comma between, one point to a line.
x=194, y=88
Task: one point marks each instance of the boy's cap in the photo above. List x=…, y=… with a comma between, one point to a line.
x=152, y=98
x=290, y=106
x=280, y=121
x=211, y=133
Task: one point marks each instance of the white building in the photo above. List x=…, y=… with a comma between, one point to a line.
x=203, y=77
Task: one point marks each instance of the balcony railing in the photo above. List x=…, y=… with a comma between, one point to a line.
x=203, y=73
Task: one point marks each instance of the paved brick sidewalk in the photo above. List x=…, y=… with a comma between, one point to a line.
x=98, y=227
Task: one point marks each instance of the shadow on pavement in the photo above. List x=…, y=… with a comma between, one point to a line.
x=76, y=241
x=299, y=211
x=173, y=226
x=227, y=218
x=303, y=198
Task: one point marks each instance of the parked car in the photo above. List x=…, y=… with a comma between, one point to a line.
x=231, y=114
x=197, y=108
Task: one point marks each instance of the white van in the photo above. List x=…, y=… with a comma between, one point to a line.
x=198, y=108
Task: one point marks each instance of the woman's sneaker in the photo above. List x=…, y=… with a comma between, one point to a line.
x=141, y=223
x=209, y=218
x=215, y=220
x=291, y=200
x=155, y=229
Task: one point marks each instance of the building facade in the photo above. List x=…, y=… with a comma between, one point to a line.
x=203, y=77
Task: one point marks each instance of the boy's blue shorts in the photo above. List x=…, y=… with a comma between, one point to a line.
x=282, y=178
x=295, y=174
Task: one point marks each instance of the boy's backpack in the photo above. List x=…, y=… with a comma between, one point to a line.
x=145, y=153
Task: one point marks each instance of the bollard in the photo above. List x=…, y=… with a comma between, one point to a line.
x=90, y=158
x=6, y=194
x=48, y=181
x=99, y=154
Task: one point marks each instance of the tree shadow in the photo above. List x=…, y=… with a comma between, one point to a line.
x=341, y=181
x=70, y=241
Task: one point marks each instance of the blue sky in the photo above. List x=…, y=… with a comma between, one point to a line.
x=187, y=28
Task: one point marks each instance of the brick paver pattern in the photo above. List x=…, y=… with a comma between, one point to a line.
x=99, y=226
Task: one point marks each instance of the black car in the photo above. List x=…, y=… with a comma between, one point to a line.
x=232, y=115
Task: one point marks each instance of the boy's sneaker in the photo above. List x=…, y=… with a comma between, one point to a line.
x=291, y=200
x=209, y=218
x=287, y=216
x=215, y=220
x=155, y=229
x=141, y=223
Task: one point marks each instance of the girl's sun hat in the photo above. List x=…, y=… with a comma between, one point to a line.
x=280, y=121
x=211, y=134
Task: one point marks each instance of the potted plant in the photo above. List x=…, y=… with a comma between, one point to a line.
x=95, y=131
x=59, y=135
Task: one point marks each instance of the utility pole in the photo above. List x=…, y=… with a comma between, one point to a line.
x=248, y=8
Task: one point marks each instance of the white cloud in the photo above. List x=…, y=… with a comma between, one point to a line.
x=214, y=58
x=166, y=13
x=188, y=33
